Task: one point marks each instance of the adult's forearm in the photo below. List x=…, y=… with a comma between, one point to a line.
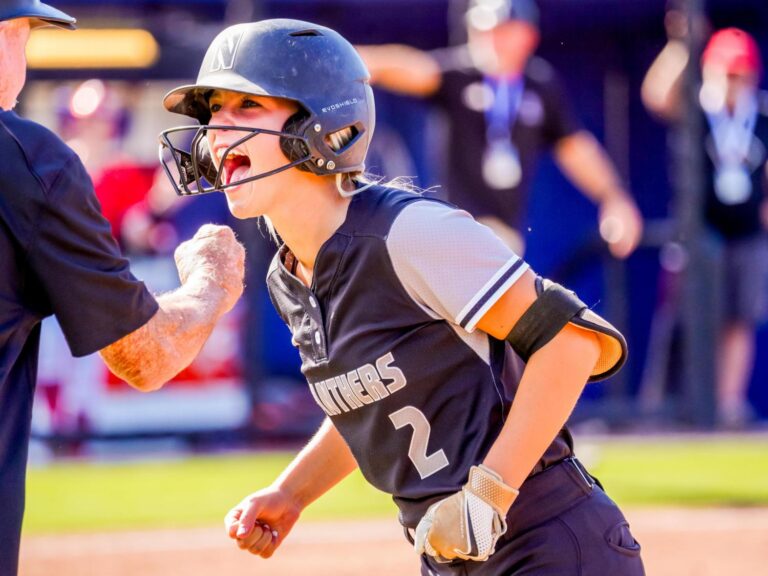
x=153, y=354
x=661, y=90
x=402, y=69
x=551, y=384
x=586, y=164
x=324, y=462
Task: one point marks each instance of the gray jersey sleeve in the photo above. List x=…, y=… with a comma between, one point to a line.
x=453, y=267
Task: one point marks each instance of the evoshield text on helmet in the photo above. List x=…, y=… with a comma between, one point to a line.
x=311, y=65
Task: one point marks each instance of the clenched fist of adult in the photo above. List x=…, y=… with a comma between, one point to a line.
x=468, y=524
x=213, y=258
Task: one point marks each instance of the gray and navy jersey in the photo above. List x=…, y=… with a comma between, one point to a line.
x=386, y=335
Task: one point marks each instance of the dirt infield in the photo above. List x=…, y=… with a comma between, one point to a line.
x=676, y=542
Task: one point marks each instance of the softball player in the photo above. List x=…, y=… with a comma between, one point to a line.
x=446, y=367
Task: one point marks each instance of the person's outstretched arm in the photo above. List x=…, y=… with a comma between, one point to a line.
x=402, y=69
x=661, y=90
x=262, y=520
x=584, y=161
x=211, y=268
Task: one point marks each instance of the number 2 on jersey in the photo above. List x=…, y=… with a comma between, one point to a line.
x=417, y=452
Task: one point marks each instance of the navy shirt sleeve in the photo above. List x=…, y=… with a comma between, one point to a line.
x=77, y=265
x=560, y=120
x=455, y=69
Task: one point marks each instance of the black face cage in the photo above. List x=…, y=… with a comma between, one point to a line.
x=197, y=166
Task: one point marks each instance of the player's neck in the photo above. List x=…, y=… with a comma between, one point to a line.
x=306, y=219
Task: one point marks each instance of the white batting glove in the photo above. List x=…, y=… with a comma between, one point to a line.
x=468, y=524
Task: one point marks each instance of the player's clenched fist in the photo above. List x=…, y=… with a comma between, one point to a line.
x=467, y=524
x=260, y=523
x=213, y=256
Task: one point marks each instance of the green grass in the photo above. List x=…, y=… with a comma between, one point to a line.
x=199, y=490
x=704, y=472
x=185, y=492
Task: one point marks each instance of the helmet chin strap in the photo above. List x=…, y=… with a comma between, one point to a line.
x=349, y=193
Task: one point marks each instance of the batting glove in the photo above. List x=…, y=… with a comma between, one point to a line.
x=468, y=524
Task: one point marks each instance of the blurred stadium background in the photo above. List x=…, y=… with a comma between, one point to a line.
x=108, y=458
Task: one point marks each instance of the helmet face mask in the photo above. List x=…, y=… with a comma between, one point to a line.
x=192, y=168
x=310, y=65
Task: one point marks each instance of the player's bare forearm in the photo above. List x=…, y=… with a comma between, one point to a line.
x=553, y=380
x=402, y=69
x=211, y=266
x=262, y=520
x=324, y=462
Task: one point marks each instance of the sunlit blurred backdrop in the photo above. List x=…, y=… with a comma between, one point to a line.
x=100, y=88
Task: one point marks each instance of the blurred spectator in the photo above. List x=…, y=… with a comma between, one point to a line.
x=94, y=121
x=159, y=221
x=736, y=211
x=505, y=107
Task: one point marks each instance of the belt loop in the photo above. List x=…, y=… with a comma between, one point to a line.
x=582, y=471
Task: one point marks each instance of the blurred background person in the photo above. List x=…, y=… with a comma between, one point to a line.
x=735, y=115
x=94, y=120
x=505, y=107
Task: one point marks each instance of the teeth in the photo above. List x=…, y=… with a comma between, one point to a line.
x=230, y=156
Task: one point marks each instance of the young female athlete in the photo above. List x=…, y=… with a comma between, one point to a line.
x=446, y=367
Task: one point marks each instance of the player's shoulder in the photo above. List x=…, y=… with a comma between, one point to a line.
x=37, y=151
x=373, y=211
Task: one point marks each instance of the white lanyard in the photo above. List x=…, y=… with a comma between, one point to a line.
x=501, y=116
x=501, y=159
x=732, y=134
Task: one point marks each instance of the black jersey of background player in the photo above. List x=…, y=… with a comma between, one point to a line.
x=739, y=219
x=388, y=347
x=543, y=118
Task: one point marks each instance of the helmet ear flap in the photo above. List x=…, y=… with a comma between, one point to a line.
x=295, y=148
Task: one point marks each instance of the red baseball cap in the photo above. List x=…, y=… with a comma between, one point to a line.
x=733, y=51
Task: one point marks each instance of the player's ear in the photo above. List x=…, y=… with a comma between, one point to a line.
x=295, y=148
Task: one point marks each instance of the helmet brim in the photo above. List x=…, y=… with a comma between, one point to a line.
x=46, y=15
x=187, y=100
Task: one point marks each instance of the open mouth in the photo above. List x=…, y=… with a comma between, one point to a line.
x=235, y=168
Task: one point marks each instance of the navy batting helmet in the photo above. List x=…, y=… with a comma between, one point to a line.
x=311, y=65
x=12, y=9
